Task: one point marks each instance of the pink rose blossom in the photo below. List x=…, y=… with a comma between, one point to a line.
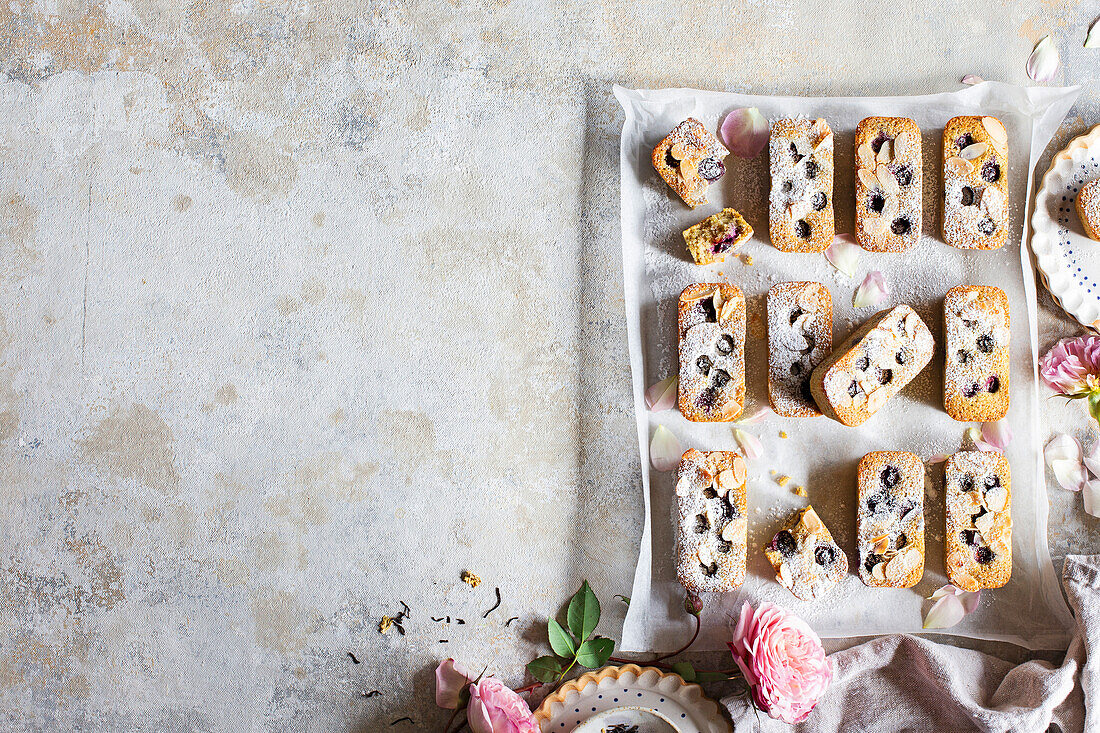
x=1072, y=367
x=495, y=708
x=782, y=660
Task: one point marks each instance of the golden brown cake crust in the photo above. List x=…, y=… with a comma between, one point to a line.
x=872, y=365
x=712, y=532
x=1087, y=204
x=800, y=336
x=978, y=542
x=888, y=173
x=976, y=366
x=718, y=235
x=806, y=559
x=711, y=323
x=801, y=185
x=694, y=148
x=975, y=177
x=890, y=519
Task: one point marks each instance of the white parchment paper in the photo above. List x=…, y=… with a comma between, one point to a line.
x=818, y=453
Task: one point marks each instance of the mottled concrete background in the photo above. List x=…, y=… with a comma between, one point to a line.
x=307, y=307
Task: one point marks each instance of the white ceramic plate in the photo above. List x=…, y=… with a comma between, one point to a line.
x=645, y=688
x=1066, y=258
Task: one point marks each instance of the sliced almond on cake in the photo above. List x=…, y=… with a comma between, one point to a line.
x=902, y=143
x=876, y=399
x=734, y=531
x=875, y=225
x=996, y=132
x=959, y=167
x=995, y=499
x=886, y=152
x=887, y=180
x=785, y=576
x=867, y=177
x=699, y=295
x=974, y=151
x=865, y=156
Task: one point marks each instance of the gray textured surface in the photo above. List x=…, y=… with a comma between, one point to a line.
x=308, y=307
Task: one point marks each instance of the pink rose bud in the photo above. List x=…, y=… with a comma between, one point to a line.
x=693, y=604
x=495, y=708
x=450, y=679
x=782, y=660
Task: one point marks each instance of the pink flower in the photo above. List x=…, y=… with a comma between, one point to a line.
x=450, y=678
x=1072, y=367
x=495, y=708
x=782, y=660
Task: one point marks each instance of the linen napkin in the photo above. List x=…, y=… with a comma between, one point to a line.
x=907, y=683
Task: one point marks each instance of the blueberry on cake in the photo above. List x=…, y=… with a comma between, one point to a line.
x=976, y=330
x=979, y=520
x=807, y=561
x=713, y=528
x=890, y=519
x=690, y=159
x=801, y=199
x=1088, y=208
x=975, y=180
x=872, y=365
x=888, y=184
x=800, y=336
x=711, y=320
x=713, y=238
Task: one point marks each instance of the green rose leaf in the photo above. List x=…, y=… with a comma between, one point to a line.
x=560, y=640
x=544, y=669
x=595, y=652
x=685, y=670
x=584, y=612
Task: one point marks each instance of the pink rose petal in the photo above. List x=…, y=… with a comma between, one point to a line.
x=972, y=79
x=872, y=291
x=1042, y=65
x=749, y=443
x=664, y=449
x=495, y=708
x=1070, y=474
x=997, y=435
x=1092, y=40
x=843, y=253
x=969, y=599
x=450, y=678
x=1062, y=447
x=662, y=396
x=945, y=613
x=938, y=458
x=1063, y=455
x=745, y=132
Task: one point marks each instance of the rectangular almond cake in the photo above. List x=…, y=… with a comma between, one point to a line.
x=978, y=543
x=890, y=519
x=713, y=528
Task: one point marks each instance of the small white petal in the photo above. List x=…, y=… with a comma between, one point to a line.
x=1092, y=459
x=745, y=132
x=755, y=417
x=942, y=591
x=872, y=291
x=969, y=599
x=945, y=613
x=1062, y=447
x=843, y=254
x=1043, y=62
x=1091, y=495
x=664, y=449
x=1070, y=474
x=750, y=444
x=662, y=396
x=972, y=79
x=1092, y=40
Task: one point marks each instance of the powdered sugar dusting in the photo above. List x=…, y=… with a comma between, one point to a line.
x=800, y=336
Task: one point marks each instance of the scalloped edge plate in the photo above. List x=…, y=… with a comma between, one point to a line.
x=1049, y=239
x=682, y=703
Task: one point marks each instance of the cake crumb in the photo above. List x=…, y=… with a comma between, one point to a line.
x=772, y=472
x=782, y=433
x=746, y=259
x=470, y=579
x=800, y=491
x=782, y=480
x=385, y=625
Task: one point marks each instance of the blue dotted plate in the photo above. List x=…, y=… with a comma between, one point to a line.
x=1068, y=260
